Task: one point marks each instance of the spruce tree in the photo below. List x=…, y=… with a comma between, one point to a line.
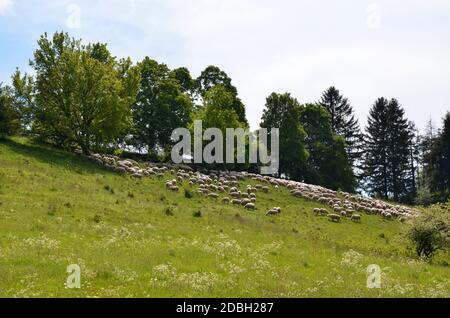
x=439, y=162
x=343, y=121
x=398, y=150
x=376, y=150
x=387, y=151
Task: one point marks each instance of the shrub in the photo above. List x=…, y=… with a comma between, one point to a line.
x=168, y=211
x=430, y=232
x=188, y=194
x=197, y=214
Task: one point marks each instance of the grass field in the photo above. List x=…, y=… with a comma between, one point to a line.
x=132, y=238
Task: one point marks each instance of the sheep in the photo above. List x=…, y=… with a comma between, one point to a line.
x=236, y=202
x=120, y=170
x=319, y=211
x=356, y=218
x=265, y=189
x=213, y=195
x=245, y=195
x=334, y=218
x=235, y=194
x=226, y=200
x=245, y=201
x=344, y=213
x=386, y=215
x=274, y=211
x=174, y=188
x=250, y=206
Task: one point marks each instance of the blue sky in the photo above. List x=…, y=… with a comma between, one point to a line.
x=367, y=49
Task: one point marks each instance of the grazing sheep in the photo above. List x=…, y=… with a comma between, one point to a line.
x=250, y=206
x=321, y=212
x=387, y=215
x=334, y=218
x=226, y=200
x=236, y=202
x=265, y=189
x=213, y=195
x=174, y=188
x=356, y=218
x=235, y=194
x=273, y=211
x=120, y=170
x=344, y=213
x=245, y=195
x=245, y=201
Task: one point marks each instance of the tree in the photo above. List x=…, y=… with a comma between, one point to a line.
x=83, y=95
x=414, y=161
x=429, y=232
x=183, y=76
x=376, y=150
x=387, y=150
x=161, y=106
x=213, y=76
x=24, y=99
x=282, y=111
x=328, y=164
x=343, y=121
x=398, y=150
x=439, y=161
x=9, y=116
x=217, y=113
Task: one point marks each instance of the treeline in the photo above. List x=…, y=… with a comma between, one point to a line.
x=80, y=96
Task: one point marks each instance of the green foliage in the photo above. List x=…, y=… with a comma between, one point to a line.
x=161, y=106
x=282, y=111
x=213, y=76
x=387, y=150
x=343, y=121
x=438, y=162
x=188, y=194
x=217, y=112
x=9, y=115
x=328, y=164
x=83, y=95
x=430, y=231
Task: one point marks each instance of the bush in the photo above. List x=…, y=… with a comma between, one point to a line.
x=168, y=211
x=197, y=214
x=430, y=232
x=188, y=194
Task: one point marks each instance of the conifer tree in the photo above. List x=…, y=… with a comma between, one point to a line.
x=343, y=121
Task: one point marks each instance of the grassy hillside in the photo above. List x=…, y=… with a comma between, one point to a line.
x=134, y=238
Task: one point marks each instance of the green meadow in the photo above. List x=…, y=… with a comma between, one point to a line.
x=133, y=238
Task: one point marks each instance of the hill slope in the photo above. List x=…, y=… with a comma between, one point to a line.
x=134, y=238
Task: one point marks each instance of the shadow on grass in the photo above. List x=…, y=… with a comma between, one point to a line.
x=53, y=156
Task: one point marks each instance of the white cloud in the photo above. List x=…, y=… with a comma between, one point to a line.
x=5, y=5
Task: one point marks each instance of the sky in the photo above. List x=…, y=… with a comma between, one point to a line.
x=367, y=49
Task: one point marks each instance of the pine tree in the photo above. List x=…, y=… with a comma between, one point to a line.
x=399, y=153
x=376, y=150
x=343, y=121
x=388, y=151
x=414, y=160
x=439, y=162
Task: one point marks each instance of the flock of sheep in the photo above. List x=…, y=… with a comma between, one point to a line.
x=226, y=185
